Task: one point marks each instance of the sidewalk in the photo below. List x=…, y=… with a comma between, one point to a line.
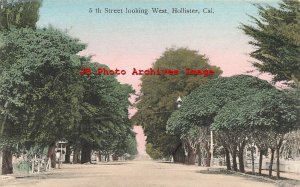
x=293, y=176
x=6, y=178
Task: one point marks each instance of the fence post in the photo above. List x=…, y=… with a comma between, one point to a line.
x=32, y=166
x=38, y=166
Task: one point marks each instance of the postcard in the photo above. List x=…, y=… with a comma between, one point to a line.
x=149, y=92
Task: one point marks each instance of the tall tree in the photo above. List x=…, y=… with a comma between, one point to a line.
x=268, y=112
x=159, y=94
x=201, y=106
x=44, y=99
x=276, y=39
x=36, y=78
x=104, y=106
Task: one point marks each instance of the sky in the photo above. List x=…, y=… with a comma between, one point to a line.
x=127, y=41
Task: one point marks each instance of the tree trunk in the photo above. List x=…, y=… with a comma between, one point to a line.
x=86, y=154
x=115, y=157
x=234, y=164
x=252, y=159
x=199, y=156
x=191, y=158
x=271, y=162
x=7, y=167
x=241, y=156
x=68, y=154
x=207, y=163
x=241, y=160
x=178, y=155
x=227, y=156
x=52, y=154
x=260, y=161
x=76, y=154
x=207, y=149
x=277, y=163
x=99, y=156
x=278, y=157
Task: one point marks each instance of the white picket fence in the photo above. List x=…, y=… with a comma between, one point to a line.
x=285, y=165
x=39, y=164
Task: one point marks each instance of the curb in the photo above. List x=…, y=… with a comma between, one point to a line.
x=7, y=177
x=281, y=183
x=254, y=176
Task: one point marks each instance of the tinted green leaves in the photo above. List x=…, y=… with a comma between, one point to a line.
x=159, y=93
x=266, y=110
x=204, y=103
x=276, y=38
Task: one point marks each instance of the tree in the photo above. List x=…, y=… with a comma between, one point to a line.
x=276, y=38
x=159, y=93
x=131, y=145
x=44, y=98
x=19, y=14
x=153, y=153
x=36, y=79
x=104, y=123
x=268, y=112
x=203, y=104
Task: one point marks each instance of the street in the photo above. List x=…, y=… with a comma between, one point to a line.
x=134, y=174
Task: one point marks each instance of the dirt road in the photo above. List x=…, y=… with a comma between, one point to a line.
x=134, y=174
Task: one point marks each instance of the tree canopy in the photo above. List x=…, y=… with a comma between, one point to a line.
x=267, y=110
x=238, y=109
x=276, y=40
x=44, y=98
x=159, y=93
x=37, y=69
x=262, y=118
x=203, y=104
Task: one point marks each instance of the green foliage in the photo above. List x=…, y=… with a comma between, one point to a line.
x=23, y=166
x=267, y=110
x=159, y=93
x=239, y=109
x=8, y=141
x=153, y=153
x=203, y=104
x=19, y=14
x=263, y=118
x=276, y=38
x=131, y=145
x=44, y=99
x=37, y=77
x=103, y=108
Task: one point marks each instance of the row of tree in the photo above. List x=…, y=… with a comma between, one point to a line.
x=44, y=99
x=240, y=110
